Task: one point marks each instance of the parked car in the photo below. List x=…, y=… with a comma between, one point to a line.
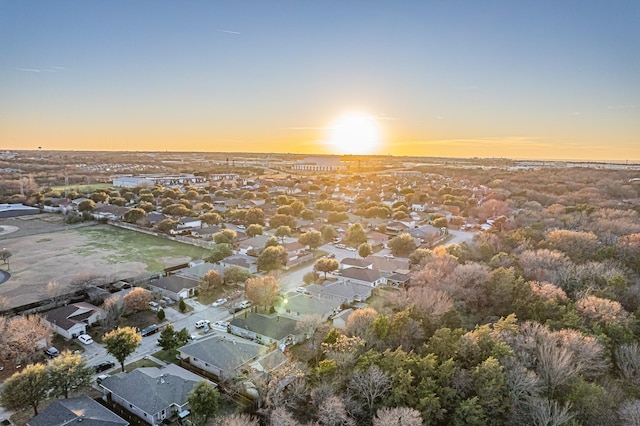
x=331, y=256
x=219, y=302
x=220, y=325
x=154, y=306
x=245, y=304
x=153, y=328
x=202, y=323
x=101, y=377
x=85, y=338
x=389, y=256
x=104, y=366
x=52, y=352
x=302, y=290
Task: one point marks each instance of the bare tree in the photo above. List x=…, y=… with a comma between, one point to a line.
x=279, y=416
x=5, y=254
x=602, y=310
x=629, y=413
x=627, y=359
x=242, y=419
x=434, y=303
x=360, y=322
x=262, y=291
x=111, y=308
x=332, y=412
x=370, y=385
x=545, y=265
x=397, y=416
x=545, y=412
x=19, y=337
x=308, y=325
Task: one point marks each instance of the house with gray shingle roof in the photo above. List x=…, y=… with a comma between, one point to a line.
x=72, y=320
x=175, y=286
x=370, y=277
x=352, y=262
x=298, y=305
x=71, y=411
x=242, y=261
x=267, y=329
x=342, y=291
x=151, y=393
x=222, y=355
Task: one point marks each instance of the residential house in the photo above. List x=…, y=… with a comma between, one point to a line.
x=72, y=320
x=342, y=291
x=387, y=265
x=339, y=320
x=71, y=411
x=398, y=280
x=253, y=245
x=377, y=239
x=265, y=329
x=242, y=261
x=206, y=233
x=370, y=277
x=298, y=305
x=151, y=393
x=397, y=227
x=197, y=272
x=109, y=211
x=188, y=223
x=221, y=355
x=175, y=286
x=352, y=262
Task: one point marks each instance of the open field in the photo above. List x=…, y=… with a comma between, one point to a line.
x=83, y=188
x=45, y=250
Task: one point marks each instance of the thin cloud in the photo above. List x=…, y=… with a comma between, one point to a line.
x=28, y=69
x=229, y=32
x=39, y=70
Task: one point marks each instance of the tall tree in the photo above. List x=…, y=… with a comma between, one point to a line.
x=121, y=343
x=364, y=250
x=211, y=281
x=253, y=230
x=402, y=245
x=204, y=400
x=262, y=291
x=136, y=300
x=312, y=239
x=235, y=274
x=282, y=231
x=20, y=336
x=272, y=258
x=68, y=371
x=356, y=235
x=168, y=339
x=326, y=265
x=27, y=388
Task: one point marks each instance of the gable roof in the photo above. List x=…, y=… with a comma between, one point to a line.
x=75, y=410
x=197, y=272
x=174, y=283
x=368, y=275
x=241, y=260
x=225, y=353
x=358, y=263
x=153, y=389
x=305, y=304
x=341, y=289
x=66, y=317
x=274, y=327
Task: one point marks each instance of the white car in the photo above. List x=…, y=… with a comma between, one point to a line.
x=219, y=302
x=245, y=304
x=85, y=338
x=220, y=325
x=201, y=323
x=302, y=290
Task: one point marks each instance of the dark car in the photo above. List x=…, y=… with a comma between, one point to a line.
x=234, y=309
x=153, y=328
x=51, y=352
x=103, y=366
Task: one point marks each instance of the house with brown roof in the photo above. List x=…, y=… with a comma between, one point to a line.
x=72, y=320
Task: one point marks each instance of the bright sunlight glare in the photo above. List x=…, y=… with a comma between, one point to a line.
x=354, y=133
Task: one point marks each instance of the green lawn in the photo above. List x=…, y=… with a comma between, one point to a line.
x=120, y=245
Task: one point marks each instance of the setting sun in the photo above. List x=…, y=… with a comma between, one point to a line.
x=354, y=133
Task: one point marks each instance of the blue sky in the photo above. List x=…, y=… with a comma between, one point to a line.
x=523, y=79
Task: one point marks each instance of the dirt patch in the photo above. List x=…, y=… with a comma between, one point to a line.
x=46, y=250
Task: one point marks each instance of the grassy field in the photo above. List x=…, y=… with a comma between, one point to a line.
x=83, y=188
x=121, y=245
